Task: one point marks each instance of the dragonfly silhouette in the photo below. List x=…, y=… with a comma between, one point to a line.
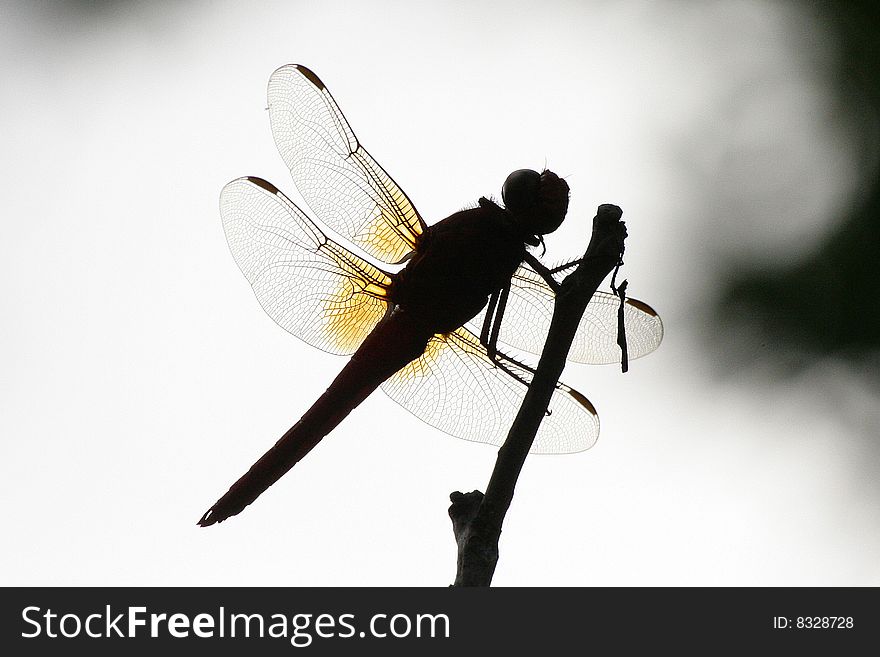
x=413, y=332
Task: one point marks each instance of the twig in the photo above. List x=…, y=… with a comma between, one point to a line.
x=477, y=518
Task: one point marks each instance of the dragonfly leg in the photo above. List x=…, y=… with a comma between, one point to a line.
x=492, y=347
x=567, y=265
x=489, y=336
x=492, y=322
x=544, y=272
x=487, y=322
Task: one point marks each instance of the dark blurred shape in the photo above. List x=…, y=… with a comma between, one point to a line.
x=827, y=305
x=90, y=13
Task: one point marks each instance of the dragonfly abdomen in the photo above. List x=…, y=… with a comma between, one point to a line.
x=397, y=340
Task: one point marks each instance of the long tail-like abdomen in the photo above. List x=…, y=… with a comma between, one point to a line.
x=392, y=344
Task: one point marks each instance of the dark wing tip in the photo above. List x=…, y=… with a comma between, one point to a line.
x=581, y=399
x=641, y=305
x=264, y=184
x=309, y=75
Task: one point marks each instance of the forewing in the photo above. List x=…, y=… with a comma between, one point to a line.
x=311, y=286
x=455, y=387
x=530, y=308
x=342, y=184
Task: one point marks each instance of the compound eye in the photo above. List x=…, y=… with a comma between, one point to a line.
x=521, y=190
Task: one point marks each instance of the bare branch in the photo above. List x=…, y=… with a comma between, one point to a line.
x=477, y=519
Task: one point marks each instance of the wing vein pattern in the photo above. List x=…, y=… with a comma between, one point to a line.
x=339, y=180
x=455, y=387
x=312, y=287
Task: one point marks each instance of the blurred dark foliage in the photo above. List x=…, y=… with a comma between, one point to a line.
x=827, y=305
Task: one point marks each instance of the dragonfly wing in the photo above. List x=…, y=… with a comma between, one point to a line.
x=455, y=387
x=530, y=307
x=311, y=286
x=340, y=181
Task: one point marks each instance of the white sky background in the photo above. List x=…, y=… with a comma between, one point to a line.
x=140, y=377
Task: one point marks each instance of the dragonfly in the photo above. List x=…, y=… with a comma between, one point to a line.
x=432, y=334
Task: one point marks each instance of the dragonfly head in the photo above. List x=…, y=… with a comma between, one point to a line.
x=538, y=201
